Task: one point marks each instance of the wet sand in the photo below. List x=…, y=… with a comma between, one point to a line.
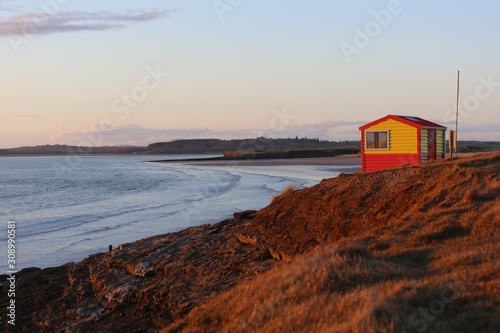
x=343, y=162
x=323, y=161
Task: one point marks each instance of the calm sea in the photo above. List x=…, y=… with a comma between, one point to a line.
x=67, y=208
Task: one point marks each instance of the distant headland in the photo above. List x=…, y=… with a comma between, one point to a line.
x=237, y=148
x=253, y=148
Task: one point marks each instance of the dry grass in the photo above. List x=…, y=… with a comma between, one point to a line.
x=346, y=288
x=426, y=259
x=286, y=192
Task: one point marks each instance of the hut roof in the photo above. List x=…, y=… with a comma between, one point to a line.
x=409, y=120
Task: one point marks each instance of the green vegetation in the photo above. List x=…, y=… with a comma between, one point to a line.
x=192, y=146
x=298, y=153
x=477, y=146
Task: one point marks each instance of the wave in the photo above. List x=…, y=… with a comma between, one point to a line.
x=55, y=225
x=105, y=201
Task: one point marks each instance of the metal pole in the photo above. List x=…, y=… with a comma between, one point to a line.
x=456, y=118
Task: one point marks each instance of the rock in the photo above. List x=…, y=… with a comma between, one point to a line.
x=252, y=240
x=144, y=286
x=244, y=215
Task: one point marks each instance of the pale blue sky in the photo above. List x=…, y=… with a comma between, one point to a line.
x=273, y=68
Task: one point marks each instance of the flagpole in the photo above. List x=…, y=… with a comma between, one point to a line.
x=456, y=118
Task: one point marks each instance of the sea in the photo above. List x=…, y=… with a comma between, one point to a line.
x=66, y=208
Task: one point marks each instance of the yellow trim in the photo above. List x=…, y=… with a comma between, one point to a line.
x=402, y=138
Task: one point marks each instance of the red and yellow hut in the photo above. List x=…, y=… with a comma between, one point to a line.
x=393, y=141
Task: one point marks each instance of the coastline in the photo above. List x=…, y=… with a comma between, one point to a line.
x=348, y=164
x=221, y=161
x=374, y=234
x=212, y=193
x=152, y=199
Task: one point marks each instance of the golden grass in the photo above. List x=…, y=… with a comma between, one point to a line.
x=434, y=266
x=338, y=288
x=286, y=192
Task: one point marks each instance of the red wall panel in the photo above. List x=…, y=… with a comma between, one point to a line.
x=383, y=161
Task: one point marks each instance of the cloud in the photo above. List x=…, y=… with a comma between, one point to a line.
x=10, y=6
x=23, y=116
x=488, y=132
x=134, y=135
x=74, y=21
x=334, y=130
x=58, y=135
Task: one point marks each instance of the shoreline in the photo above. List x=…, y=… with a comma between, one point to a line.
x=340, y=164
x=221, y=161
x=268, y=180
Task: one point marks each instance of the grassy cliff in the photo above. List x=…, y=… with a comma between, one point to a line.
x=411, y=249
x=404, y=250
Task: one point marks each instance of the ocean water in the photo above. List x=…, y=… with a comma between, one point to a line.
x=67, y=208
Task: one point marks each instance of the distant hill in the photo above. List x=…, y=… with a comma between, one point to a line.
x=260, y=144
x=192, y=146
x=69, y=150
x=477, y=146
x=218, y=146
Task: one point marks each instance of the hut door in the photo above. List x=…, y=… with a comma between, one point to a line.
x=432, y=143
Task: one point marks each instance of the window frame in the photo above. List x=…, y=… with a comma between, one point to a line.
x=378, y=131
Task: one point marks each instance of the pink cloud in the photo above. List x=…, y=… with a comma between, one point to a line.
x=42, y=23
x=58, y=135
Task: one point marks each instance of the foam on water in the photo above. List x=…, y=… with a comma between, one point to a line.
x=66, y=210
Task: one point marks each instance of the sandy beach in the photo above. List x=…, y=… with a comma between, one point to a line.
x=322, y=161
x=334, y=162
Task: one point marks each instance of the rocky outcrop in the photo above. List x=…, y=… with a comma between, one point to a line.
x=143, y=286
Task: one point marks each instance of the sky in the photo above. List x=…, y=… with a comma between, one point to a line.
x=97, y=73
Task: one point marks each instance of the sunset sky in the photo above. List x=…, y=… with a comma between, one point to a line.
x=136, y=72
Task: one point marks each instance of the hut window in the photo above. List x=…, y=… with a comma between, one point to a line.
x=377, y=140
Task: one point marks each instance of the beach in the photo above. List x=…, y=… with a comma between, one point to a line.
x=70, y=211
x=347, y=164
